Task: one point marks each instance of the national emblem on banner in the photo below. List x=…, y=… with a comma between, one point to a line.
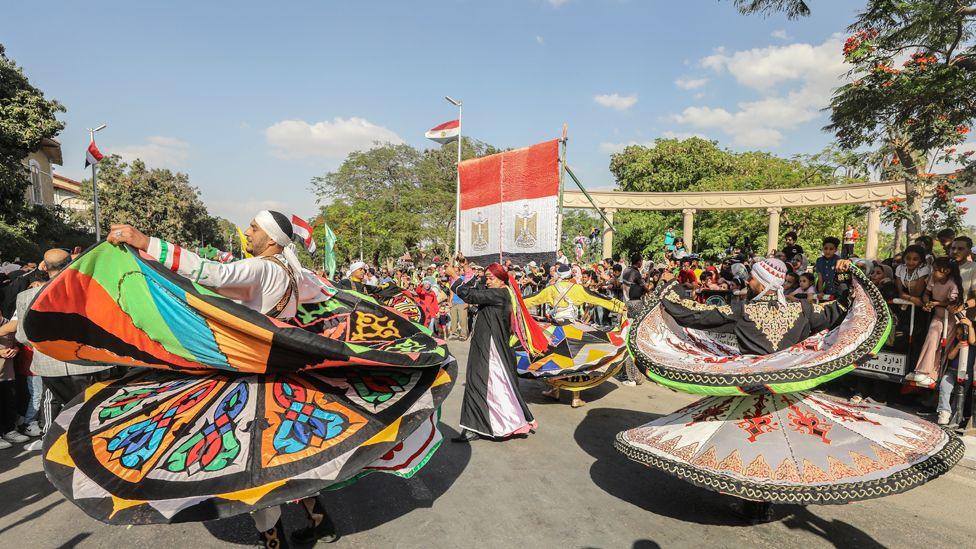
x=479, y=233
x=526, y=227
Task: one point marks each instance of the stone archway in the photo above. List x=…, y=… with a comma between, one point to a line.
x=870, y=194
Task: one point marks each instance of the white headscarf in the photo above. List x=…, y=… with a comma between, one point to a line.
x=356, y=265
x=282, y=236
x=771, y=273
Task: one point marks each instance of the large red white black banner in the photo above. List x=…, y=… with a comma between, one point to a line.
x=510, y=205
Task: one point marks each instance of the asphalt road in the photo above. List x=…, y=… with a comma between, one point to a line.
x=564, y=486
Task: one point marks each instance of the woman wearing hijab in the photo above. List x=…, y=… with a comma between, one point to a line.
x=492, y=406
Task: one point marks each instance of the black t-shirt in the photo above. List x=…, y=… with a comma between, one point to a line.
x=791, y=250
x=633, y=283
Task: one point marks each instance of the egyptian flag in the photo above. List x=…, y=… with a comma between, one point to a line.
x=510, y=205
x=445, y=133
x=303, y=230
x=94, y=155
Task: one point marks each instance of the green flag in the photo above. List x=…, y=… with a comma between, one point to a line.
x=329, y=261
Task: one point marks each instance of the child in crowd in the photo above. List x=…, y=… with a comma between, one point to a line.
x=965, y=337
x=911, y=277
x=944, y=291
x=806, y=288
x=792, y=283
x=825, y=267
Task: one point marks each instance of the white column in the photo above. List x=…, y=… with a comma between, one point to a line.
x=874, y=227
x=608, y=234
x=689, y=228
x=772, y=236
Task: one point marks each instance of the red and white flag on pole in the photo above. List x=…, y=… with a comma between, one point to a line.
x=303, y=230
x=94, y=155
x=444, y=133
x=510, y=205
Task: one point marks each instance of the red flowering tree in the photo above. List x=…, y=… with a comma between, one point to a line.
x=912, y=91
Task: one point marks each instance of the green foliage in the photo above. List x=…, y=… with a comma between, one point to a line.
x=159, y=202
x=792, y=8
x=699, y=165
x=576, y=222
x=26, y=118
x=400, y=198
x=40, y=229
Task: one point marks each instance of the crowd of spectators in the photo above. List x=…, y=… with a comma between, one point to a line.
x=929, y=287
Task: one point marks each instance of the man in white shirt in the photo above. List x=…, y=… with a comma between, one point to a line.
x=961, y=250
x=272, y=282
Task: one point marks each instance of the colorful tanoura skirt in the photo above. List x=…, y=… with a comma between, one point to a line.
x=577, y=350
x=228, y=411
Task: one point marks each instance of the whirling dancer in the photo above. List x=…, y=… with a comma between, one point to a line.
x=492, y=405
x=272, y=282
x=764, y=437
x=580, y=356
x=767, y=322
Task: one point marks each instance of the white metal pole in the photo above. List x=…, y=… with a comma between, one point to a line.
x=98, y=226
x=457, y=197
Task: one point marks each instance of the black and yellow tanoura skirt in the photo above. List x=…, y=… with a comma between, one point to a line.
x=234, y=411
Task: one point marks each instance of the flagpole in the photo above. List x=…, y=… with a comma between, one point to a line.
x=98, y=226
x=457, y=198
x=457, y=194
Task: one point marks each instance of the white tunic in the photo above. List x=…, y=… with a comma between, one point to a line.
x=256, y=283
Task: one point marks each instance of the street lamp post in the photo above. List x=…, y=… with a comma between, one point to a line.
x=98, y=226
x=457, y=194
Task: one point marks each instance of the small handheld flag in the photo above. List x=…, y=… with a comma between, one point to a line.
x=94, y=155
x=329, y=261
x=303, y=231
x=444, y=133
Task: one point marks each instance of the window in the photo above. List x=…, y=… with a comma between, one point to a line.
x=37, y=197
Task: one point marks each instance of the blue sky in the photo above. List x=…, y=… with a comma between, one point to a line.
x=252, y=99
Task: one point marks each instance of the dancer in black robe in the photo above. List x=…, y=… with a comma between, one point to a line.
x=492, y=405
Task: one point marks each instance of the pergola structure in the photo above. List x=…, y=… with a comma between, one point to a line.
x=774, y=200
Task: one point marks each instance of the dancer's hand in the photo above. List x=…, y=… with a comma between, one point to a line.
x=843, y=265
x=127, y=234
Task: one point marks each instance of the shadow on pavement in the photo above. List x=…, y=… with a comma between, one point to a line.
x=837, y=532
x=371, y=501
x=24, y=490
x=665, y=495
x=643, y=486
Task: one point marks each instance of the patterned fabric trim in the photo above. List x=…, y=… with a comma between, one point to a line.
x=901, y=481
x=758, y=382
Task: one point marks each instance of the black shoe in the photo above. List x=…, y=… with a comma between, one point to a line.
x=466, y=436
x=320, y=526
x=274, y=538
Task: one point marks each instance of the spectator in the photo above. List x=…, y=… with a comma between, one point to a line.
x=945, y=237
x=825, y=268
x=964, y=337
x=850, y=239
x=790, y=247
x=961, y=251
x=942, y=292
x=633, y=289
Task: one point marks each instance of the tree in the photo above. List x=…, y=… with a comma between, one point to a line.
x=696, y=164
x=158, y=201
x=26, y=118
x=398, y=198
x=792, y=8
x=912, y=91
x=576, y=222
